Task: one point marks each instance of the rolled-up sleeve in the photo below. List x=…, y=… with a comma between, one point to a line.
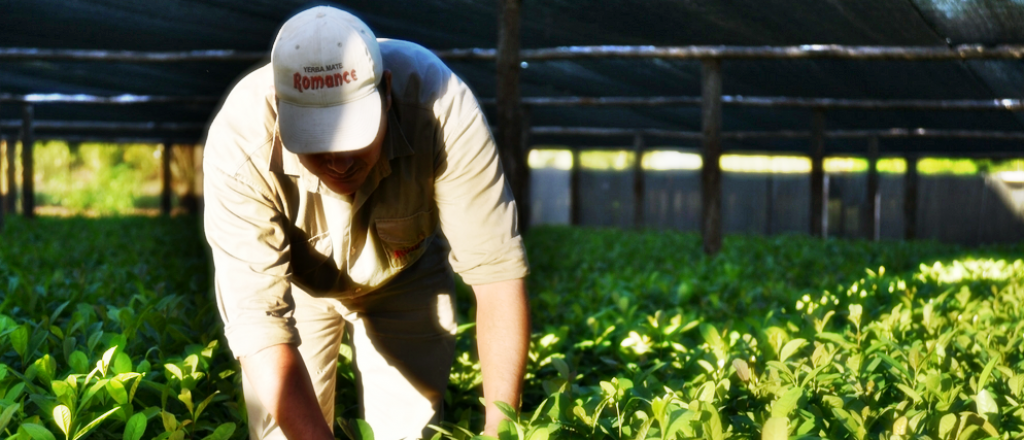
x=251, y=257
x=476, y=208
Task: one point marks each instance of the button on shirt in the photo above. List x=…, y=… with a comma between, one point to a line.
x=271, y=224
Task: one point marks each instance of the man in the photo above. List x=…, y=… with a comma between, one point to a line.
x=330, y=175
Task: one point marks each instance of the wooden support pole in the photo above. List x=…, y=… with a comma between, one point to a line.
x=189, y=201
x=873, y=212
x=11, y=201
x=575, y=201
x=910, y=199
x=711, y=170
x=819, y=194
x=3, y=204
x=638, y=182
x=165, y=177
x=769, y=210
x=524, y=165
x=509, y=111
x=28, y=199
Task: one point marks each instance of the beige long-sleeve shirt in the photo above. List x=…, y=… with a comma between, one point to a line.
x=271, y=224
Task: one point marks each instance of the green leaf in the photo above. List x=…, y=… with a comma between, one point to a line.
x=742, y=369
x=581, y=413
x=714, y=423
x=85, y=430
x=61, y=388
x=116, y=390
x=838, y=339
x=122, y=363
x=92, y=392
x=186, y=397
x=62, y=416
x=787, y=403
x=776, y=428
x=910, y=392
x=790, y=348
x=986, y=373
x=362, y=430
x=987, y=405
x=79, y=362
x=19, y=340
x=135, y=427
x=562, y=367
x=47, y=367
x=104, y=363
x=507, y=410
x=223, y=432
x=5, y=417
x=174, y=370
x=202, y=405
x=507, y=430
x=711, y=336
x=37, y=432
x=947, y=426
x=538, y=433
x=170, y=422
x=892, y=362
x=850, y=423
x=641, y=433
x=680, y=422
x=706, y=392
x=192, y=361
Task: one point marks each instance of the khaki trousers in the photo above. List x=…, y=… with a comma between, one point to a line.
x=403, y=346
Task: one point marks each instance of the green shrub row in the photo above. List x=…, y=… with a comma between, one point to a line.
x=108, y=330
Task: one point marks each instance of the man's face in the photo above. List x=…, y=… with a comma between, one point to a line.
x=345, y=172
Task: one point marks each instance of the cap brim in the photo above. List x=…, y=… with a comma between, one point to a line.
x=344, y=127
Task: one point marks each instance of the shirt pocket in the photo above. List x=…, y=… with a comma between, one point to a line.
x=405, y=239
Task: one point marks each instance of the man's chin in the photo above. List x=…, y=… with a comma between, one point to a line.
x=346, y=189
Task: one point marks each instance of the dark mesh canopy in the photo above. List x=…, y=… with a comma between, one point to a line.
x=178, y=25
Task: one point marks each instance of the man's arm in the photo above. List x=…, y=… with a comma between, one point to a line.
x=281, y=381
x=503, y=340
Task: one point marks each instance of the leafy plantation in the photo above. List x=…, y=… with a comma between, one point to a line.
x=108, y=330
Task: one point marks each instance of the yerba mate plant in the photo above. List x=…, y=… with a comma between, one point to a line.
x=108, y=330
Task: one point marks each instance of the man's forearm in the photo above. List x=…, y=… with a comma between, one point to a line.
x=503, y=340
x=281, y=381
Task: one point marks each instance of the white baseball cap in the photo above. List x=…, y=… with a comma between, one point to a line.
x=326, y=69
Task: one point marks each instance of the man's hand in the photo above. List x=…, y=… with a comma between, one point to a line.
x=281, y=381
x=503, y=340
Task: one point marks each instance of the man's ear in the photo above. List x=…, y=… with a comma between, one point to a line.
x=387, y=89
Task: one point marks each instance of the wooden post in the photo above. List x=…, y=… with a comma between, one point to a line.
x=873, y=213
x=165, y=177
x=3, y=203
x=711, y=170
x=189, y=201
x=11, y=200
x=638, y=181
x=910, y=199
x=575, y=203
x=769, y=211
x=509, y=111
x=28, y=199
x=819, y=194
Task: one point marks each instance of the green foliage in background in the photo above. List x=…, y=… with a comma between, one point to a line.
x=99, y=178
x=107, y=330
